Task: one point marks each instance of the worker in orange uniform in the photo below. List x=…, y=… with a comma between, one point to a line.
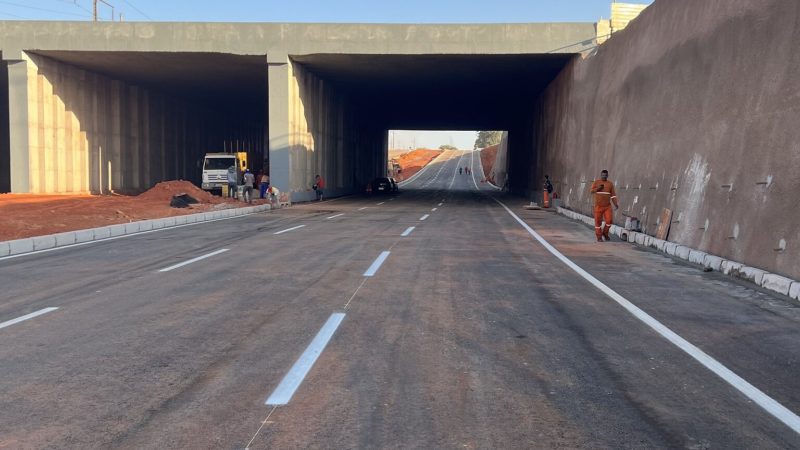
x=604, y=196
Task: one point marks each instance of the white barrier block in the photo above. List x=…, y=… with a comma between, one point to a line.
x=180, y=220
x=169, y=222
x=648, y=240
x=101, y=233
x=670, y=247
x=116, y=230
x=697, y=257
x=63, y=239
x=132, y=227
x=659, y=244
x=713, y=262
x=84, y=236
x=4, y=248
x=43, y=242
x=752, y=274
x=157, y=224
x=731, y=267
x=794, y=290
x=18, y=246
x=640, y=238
x=145, y=225
x=632, y=236
x=682, y=252
x=776, y=283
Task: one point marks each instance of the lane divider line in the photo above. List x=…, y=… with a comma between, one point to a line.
x=424, y=217
x=376, y=264
x=379, y=204
x=289, y=229
x=361, y=209
x=766, y=402
x=333, y=217
x=287, y=387
x=167, y=269
x=434, y=209
x=8, y=323
x=439, y=204
x=408, y=231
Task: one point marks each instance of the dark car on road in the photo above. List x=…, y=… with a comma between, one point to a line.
x=383, y=185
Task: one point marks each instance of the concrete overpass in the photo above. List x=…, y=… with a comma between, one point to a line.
x=121, y=106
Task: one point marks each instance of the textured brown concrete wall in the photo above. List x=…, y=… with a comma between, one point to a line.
x=694, y=107
x=90, y=133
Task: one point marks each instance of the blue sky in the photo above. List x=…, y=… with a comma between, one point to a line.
x=355, y=11
x=369, y=11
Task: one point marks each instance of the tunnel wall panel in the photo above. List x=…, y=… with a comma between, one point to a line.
x=694, y=108
x=90, y=133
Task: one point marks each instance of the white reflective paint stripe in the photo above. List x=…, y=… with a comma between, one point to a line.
x=376, y=264
x=8, y=323
x=408, y=231
x=379, y=204
x=424, y=217
x=287, y=387
x=439, y=204
x=193, y=260
x=289, y=229
x=333, y=217
x=361, y=209
x=434, y=209
x=777, y=410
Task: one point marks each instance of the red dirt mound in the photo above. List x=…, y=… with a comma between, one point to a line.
x=166, y=189
x=488, y=156
x=413, y=161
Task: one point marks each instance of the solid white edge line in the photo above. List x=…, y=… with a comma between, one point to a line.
x=288, y=229
x=408, y=231
x=287, y=387
x=167, y=269
x=777, y=410
x=8, y=323
x=376, y=264
x=333, y=217
x=424, y=217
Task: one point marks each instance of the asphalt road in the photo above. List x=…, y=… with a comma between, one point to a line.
x=469, y=333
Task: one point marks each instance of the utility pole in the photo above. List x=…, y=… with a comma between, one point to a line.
x=94, y=9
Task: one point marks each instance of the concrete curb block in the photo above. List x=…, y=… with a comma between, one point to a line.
x=46, y=242
x=770, y=281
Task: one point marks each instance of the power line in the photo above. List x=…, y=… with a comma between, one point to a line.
x=12, y=15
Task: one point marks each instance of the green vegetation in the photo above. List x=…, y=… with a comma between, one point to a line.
x=447, y=147
x=487, y=138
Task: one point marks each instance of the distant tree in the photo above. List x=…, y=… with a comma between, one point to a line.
x=487, y=138
x=447, y=147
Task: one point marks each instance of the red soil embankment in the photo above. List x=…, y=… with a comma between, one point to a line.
x=25, y=215
x=413, y=161
x=488, y=156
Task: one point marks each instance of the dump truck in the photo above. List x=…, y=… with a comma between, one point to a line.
x=215, y=169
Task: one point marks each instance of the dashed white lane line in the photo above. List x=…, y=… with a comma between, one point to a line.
x=376, y=264
x=777, y=410
x=408, y=231
x=440, y=204
x=424, y=217
x=379, y=204
x=8, y=323
x=361, y=209
x=434, y=209
x=289, y=229
x=287, y=387
x=333, y=217
x=167, y=269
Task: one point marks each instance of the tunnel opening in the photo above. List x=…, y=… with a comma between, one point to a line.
x=133, y=119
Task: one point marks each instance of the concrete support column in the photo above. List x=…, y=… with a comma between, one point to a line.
x=279, y=72
x=19, y=164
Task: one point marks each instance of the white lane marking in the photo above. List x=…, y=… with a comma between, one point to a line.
x=8, y=323
x=167, y=269
x=408, y=231
x=439, y=204
x=123, y=236
x=287, y=387
x=288, y=229
x=424, y=217
x=379, y=204
x=361, y=209
x=333, y=217
x=430, y=163
x=455, y=171
x=471, y=164
x=434, y=209
x=779, y=411
x=376, y=264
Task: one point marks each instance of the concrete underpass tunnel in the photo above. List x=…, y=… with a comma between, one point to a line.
x=124, y=121
x=439, y=92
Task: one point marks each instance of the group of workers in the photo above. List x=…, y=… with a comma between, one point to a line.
x=248, y=183
x=465, y=170
x=604, y=196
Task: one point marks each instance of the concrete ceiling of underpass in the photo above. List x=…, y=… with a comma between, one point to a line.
x=205, y=77
x=441, y=91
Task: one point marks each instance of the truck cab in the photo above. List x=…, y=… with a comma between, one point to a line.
x=215, y=169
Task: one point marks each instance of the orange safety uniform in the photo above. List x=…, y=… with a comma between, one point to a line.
x=602, y=206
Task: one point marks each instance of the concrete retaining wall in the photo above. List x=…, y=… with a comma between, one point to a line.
x=694, y=108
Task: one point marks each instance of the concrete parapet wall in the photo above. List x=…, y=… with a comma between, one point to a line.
x=694, y=108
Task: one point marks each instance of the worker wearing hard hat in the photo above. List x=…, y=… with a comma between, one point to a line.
x=604, y=196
